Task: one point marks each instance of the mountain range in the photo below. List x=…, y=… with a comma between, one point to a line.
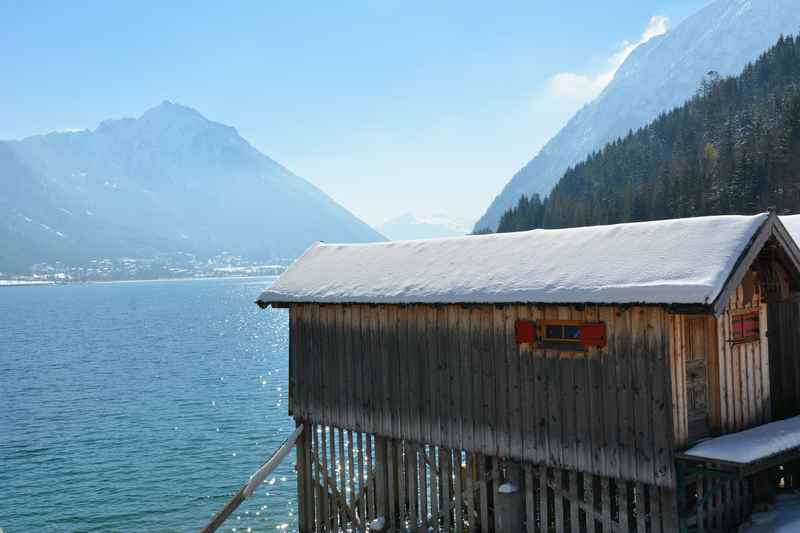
x=659, y=75
x=169, y=181
x=409, y=227
x=732, y=149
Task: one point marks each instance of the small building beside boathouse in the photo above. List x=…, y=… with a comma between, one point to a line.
x=548, y=380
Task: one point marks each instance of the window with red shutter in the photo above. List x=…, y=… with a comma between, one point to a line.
x=745, y=327
x=571, y=335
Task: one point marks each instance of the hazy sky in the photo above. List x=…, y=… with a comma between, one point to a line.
x=389, y=107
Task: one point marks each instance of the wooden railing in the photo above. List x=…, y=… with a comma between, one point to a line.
x=351, y=480
x=255, y=480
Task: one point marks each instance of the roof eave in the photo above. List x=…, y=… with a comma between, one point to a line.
x=681, y=308
x=746, y=259
x=785, y=238
x=263, y=304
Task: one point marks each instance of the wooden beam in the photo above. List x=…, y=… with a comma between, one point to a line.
x=255, y=480
x=330, y=485
x=572, y=495
x=715, y=417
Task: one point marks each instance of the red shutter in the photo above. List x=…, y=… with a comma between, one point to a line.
x=525, y=331
x=593, y=334
x=745, y=327
x=750, y=325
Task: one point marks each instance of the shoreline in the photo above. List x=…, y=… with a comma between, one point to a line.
x=174, y=279
x=25, y=283
x=49, y=283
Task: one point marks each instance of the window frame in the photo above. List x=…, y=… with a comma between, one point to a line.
x=741, y=315
x=543, y=324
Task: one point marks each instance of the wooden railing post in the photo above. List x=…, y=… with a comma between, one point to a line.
x=305, y=513
x=381, y=478
x=509, y=509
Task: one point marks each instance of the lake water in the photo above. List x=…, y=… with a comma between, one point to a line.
x=141, y=406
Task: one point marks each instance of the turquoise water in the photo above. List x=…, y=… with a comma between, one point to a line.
x=141, y=406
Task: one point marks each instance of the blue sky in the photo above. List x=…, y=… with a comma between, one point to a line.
x=389, y=107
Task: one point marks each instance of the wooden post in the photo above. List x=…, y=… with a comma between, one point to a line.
x=391, y=461
x=381, y=478
x=255, y=480
x=680, y=505
x=764, y=487
x=301, y=467
x=446, y=480
x=530, y=518
x=574, y=518
x=509, y=509
x=544, y=499
x=458, y=516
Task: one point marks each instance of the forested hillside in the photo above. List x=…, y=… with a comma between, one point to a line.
x=733, y=148
x=659, y=75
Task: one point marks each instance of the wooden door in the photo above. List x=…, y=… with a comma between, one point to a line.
x=697, y=383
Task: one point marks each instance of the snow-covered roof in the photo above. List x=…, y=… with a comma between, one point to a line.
x=792, y=224
x=752, y=444
x=680, y=261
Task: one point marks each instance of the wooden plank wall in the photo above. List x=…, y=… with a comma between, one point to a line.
x=783, y=333
x=744, y=369
x=347, y=479
x=454, y=376
x=739, y=374
x=677, y=346
x=784, y=358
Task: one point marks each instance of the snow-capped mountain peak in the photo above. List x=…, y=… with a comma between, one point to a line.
x=658, y=75
x=170, y=180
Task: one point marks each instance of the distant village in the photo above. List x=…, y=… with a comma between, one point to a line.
x=168, y=266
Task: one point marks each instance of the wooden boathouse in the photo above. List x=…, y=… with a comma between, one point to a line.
x=549, y=380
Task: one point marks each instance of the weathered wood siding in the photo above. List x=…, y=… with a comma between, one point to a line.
x=784, y=358
x=744, y=369
x=454, y=376
x=679, y=403
x=783, y=333
x=739, y=374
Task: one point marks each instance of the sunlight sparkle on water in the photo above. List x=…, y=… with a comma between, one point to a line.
x=168, y=379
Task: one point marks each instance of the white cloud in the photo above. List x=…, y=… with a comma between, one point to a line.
x=455, y=163
x=576, y=89
x=658, y=25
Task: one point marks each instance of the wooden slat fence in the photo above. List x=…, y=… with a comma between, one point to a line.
x=716, y=505
x=354, y=478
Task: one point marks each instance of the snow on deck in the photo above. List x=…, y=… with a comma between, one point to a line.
x=751, y=444
x=684, y=261
x=783, y=517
